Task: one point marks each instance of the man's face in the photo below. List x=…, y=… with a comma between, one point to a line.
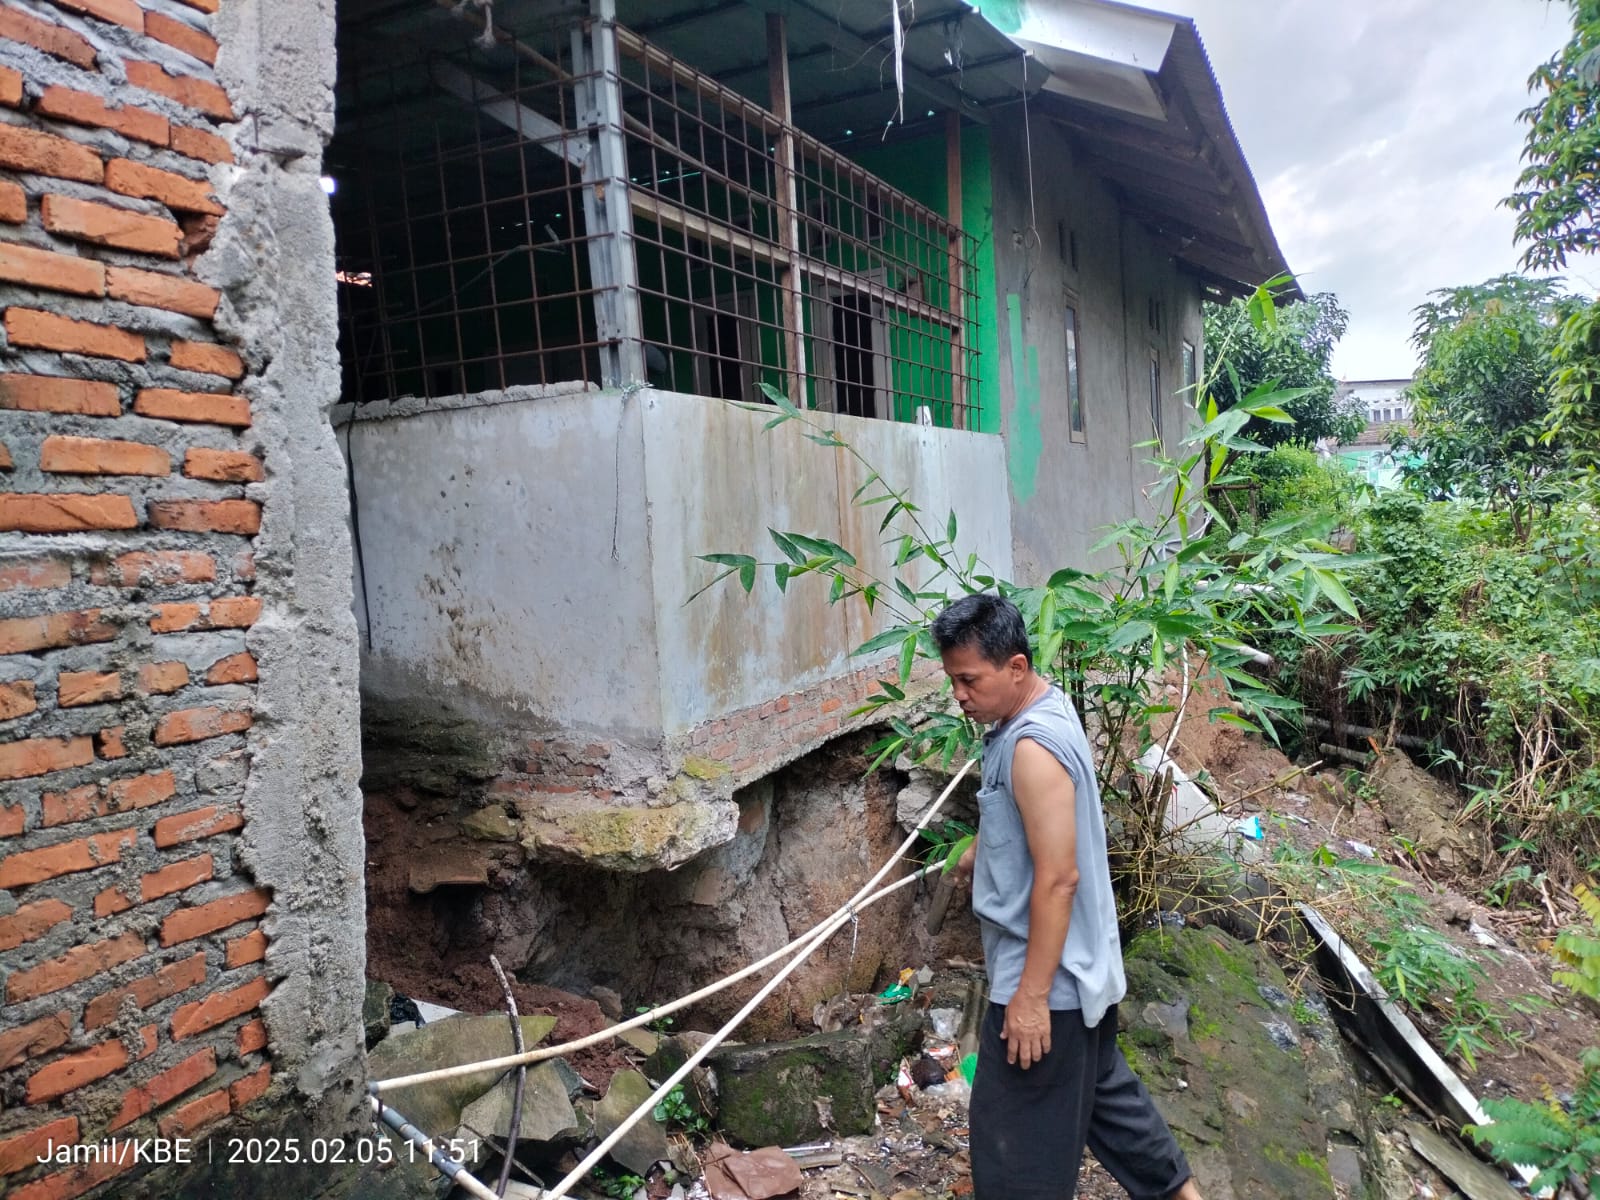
x=986, y=693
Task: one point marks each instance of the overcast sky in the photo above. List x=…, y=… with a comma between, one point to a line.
x=1383, y=134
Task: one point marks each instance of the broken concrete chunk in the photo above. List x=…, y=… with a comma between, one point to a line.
x=449, y=865
x=448, y=1043
x=489, y=824
x=547, y=1112
x=375, y=1011
x=700, y=1088
x=792, y=1092
x=1476, y=1180
x=559, y=828
x=646, y=1143
x=644, y=1041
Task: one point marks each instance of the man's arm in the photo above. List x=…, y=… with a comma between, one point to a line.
x=1046, y=798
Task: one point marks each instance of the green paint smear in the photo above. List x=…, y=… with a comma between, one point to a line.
x=1004, y=15
x=1025, y=445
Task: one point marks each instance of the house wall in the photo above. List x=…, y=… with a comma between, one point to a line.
x=1063, y=493
x=528, y=562
x=181, y=907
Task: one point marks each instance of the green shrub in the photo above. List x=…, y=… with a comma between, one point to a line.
x=1293, y=482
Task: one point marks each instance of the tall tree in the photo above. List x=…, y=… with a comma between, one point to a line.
x=1294, y=349
x=1481, y=398
x=1558, y=191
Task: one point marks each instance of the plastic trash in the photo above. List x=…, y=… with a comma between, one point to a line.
x=946, y=1021
x=969, y=1067
x=1249, y=826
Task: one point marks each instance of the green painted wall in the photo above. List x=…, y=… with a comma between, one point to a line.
x=916, y=167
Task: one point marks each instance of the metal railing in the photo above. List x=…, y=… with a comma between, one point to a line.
x=591, y=208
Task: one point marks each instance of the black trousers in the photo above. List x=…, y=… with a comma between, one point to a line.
x=1029, y=1127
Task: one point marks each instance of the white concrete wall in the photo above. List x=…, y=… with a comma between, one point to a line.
x=717, y=481
x=526, y=557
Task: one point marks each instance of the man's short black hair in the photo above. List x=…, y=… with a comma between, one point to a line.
x=989, y=622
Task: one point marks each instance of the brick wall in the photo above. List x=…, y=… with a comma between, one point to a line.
x=132, y=932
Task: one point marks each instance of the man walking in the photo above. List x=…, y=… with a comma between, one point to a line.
x=1051, y=1078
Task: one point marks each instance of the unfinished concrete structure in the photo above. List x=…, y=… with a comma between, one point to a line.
x=570, y=241
x=181, y=920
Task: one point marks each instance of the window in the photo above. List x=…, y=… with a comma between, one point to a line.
x=1155, y=392
x=1191, y=373
x=1074, y=394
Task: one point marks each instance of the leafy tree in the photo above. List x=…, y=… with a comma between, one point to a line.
x=1481, y=400
x=1292, y=349
x=1559, y=190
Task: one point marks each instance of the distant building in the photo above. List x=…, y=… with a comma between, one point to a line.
x=1386, y=406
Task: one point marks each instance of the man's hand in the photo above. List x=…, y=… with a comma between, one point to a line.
x=961, y=873
x=1026, y=1030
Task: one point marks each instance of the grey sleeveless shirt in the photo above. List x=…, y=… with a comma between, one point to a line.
x=1090, y=976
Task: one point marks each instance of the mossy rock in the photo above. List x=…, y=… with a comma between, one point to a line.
x=770, y=1095
x=1243, y=1086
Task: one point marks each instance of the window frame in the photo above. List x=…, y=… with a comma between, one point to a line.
x=1072, y=340
x=1155, y=395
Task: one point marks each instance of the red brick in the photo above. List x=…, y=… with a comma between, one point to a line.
x=198, y=144
x=47, y=36
x=110, y=901
x=32, y=921
x=217, y=1008
x=53, y=272
x=213, y=408
x=252, y=1037
x=188, y=91
x=80, y=1180
x=172, y=618
x=39, y=756
x=5, y=458
x=107, y=225
x=84, y=108
x=178, y=877
x=65, y=512
x=177, y=192
x=10, y=87
x=171, y=979
x=38, y=153
x=206, y=358
x=188, y=923
x=16, y=700
x=164, y=1088
x=77, y=688
x=162, y=679
x=13, y=203
x=47, y=331
x=156, y=290
x=33, y=1039
x=251, y=1088
x=103, y=799
x=234, y=612
x=63, y=455
x=251, y=948
x=66, y=858
x=116, y=12
x=142, y=568
x=23, y=1151
x=35, y=573
x=224, y=466
x=203, y=516
x=195, y=1115
x=49, y=393
x=236, y=668
x=182, y=37
x=194, y=825
x=74, y=966
x=108, y=742
x=75, y=1070
x=196, y=725
x=205, y=6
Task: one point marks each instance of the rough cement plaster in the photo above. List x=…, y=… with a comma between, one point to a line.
x=1076, y=489
x=273, y=259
